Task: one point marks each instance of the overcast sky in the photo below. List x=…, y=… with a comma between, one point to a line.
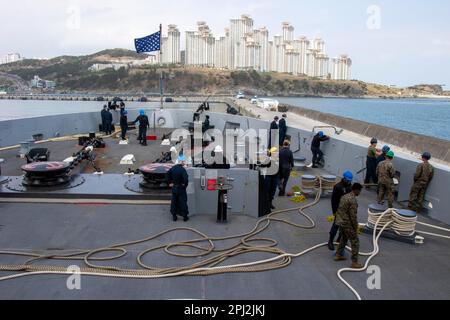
x=401, y=42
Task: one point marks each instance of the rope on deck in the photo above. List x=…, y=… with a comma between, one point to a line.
x=204, y=245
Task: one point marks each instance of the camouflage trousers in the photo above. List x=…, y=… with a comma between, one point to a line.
x=385, y=189
x=348, y=233
x=417, y=196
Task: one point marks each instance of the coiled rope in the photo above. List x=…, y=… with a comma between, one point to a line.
x=380, y=222
x=206, y=267
x=373, y=254
x=204, y=244
x=401, y=225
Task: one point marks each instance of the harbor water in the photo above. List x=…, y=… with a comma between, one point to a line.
x=430, y=117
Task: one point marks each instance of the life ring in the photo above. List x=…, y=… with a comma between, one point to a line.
x=161, y=122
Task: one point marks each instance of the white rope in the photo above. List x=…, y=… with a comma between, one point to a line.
x=373, y=254
x=433, y=234
x=381, y=224
x=432, y=226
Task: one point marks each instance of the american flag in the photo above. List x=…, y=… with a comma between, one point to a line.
x=149, y=43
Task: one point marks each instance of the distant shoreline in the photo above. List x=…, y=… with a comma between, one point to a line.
x=102, y=97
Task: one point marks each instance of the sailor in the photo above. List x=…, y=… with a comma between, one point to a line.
x=422, y=179
x=122, y=108
x=315, y=148
x=341, y=189
x=104, y=115
x=143, y=125
x=124, y=124
x=196, y=117
x=386, y=173
x=178, y=180
x=205, y=126
x=286, y=166
x=371, y=163
x=382, y=156
x=283, y=129
x=273, y=127
x=109, y=121
x=347, y=220
x=201, y=108
x=271, y=181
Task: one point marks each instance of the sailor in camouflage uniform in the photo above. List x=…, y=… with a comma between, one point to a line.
x=386, y=173
x=347, y=220
x=422, y=178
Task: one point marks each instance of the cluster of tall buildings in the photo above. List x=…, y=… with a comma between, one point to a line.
x=244, y=47
x=10, y=58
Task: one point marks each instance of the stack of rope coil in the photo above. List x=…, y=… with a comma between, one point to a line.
x=384, y=219
x=317, y=184
x=401, y=225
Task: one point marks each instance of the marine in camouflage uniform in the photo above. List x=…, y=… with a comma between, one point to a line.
x=386, y=173
x=371, y=164
x=347, y=220
x=422, y=178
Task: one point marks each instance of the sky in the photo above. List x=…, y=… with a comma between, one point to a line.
x=401, y=42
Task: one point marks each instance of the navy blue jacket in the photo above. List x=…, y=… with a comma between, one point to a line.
x=317, y=140
x=108, y=117
x=104, y=114
x=274, y=126
x=178, y=176
x=143, y=121
x=381, y=159
x=286, y=159
x=339, y=191
x=282, y=125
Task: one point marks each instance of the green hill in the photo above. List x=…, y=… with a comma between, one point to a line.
x=72, y=73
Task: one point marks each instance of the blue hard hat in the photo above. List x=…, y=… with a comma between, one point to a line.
x=386, y=149
x=348, y=176
x=426, y=155
x=321, y=134
x=182, y=158
x=142, y=112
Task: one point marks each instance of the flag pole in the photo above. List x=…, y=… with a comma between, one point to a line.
x=161, y=80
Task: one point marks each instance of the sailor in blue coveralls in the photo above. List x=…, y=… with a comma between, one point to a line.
x=178, y=180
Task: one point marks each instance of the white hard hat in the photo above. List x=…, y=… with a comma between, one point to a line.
x=218, y=149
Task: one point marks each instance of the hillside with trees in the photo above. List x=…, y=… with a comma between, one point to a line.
x=72, y=73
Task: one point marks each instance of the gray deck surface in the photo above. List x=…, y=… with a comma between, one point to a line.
x=408, y=272
x=107, y=159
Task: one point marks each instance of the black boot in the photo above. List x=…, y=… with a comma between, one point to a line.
x=185, y=218
x=175, y=218
x=331, y=244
